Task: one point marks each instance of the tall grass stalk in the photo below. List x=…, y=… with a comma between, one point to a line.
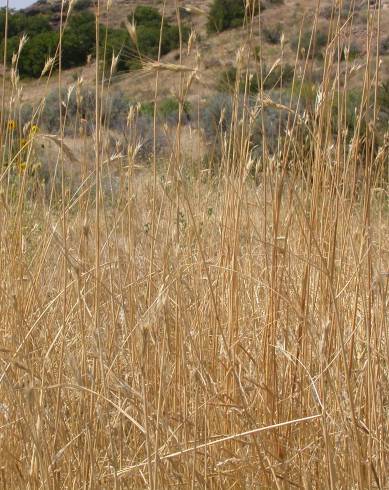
x=168, y=323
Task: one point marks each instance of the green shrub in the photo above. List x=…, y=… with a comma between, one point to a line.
x=148, y=25
x=318, y=43
x=383, y=99
x=219, y=111
x=227, y=79
x=307, y=92
x=167, y=110
x=118, y=41
x=384, y=45
x=20, y=23
x=147, y=16
x=78, y=40
x=354, y=52
x=148, y=21
x=272, y=35
x=280, y=75
x=34, y=53
x=226, y=14
x=83, y=106
x=83, y=4
x=77, y=43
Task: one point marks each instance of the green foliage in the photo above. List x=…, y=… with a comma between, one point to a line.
x=148, y=32
x=148, y=21
x=78, y=40
x=20, y=23
x=354, y=51
x=279, y=76
x=284, y=74
x=272, y=35
x=83, y=4
x=167, y=110
x=147, y=16
x=226, y=14
x=77, y=43
x=35, y=52
x=307, y=93
x=383, y=99
x=119, y=42
x=318, y=42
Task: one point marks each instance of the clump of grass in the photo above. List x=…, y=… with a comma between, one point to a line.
x=166, y=325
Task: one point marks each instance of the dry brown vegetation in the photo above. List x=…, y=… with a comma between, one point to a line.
x=172, y=324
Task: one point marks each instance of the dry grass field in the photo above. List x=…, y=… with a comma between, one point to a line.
x=169, y=323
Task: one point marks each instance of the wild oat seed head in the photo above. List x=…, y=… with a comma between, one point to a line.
x=114, y=63
x=22, y=43
x=131, y=28
x=49, y=63
x=191, y=40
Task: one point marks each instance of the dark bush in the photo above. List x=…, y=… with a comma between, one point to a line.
x=185, y=14
x=83, y=4
x=383, y=99
x=19, y=23
x=119, y=42
x=384, y=46
x=148, y=25
x=279, y=76
x=352, y=103
x=167, y=110
x=148, y=21
x=78, y=40
x=147, y=16
x=318, y=43
x=354, y=51
x=226, y=14
x=77, y=43
x=35, y=52
x=272, y=35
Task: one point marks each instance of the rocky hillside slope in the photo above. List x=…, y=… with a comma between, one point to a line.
x=217, y=52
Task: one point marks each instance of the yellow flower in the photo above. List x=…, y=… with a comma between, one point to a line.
x=22, y=167
x=11, y=124
x=34, y=129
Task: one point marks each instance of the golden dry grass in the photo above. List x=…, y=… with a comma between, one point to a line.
x=171, y=326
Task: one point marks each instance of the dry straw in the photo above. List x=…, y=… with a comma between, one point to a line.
x=192, y=302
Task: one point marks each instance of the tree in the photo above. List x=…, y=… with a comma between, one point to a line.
x=20, y=23
x=35, y=53
x=78, y=40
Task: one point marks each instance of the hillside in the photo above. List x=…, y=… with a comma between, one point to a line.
x=217, y=52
